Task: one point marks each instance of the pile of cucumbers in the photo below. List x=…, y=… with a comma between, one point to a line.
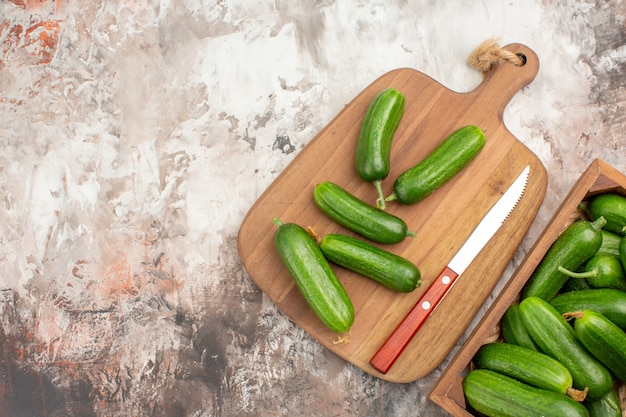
x=308, y=257
x=563, y=348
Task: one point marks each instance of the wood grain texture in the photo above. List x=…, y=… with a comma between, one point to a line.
x=441, y=222
x=598, y=178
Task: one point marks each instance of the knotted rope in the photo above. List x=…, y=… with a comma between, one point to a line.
x=489, y=54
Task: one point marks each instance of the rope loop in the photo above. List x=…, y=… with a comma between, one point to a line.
x=489, y=54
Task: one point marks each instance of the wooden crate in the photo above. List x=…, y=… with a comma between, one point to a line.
x=598, y=178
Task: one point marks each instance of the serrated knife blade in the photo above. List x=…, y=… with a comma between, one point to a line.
x=395, y=344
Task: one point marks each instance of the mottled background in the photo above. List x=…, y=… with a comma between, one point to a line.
x=136, y=135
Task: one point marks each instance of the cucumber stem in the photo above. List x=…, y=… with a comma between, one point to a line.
x=577, y=395
x=587, y=274
x=599, y=223
x=278, y=222
x=391, y=197
x=410, y=234
x=572, y=315
x=313, y=234
x=380, y=202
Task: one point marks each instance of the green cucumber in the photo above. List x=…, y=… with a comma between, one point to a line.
x=453, y=154
x=373, y=149
x=609, y=302
x=526, y=365
x=622, y=252
x=601, y=271
x=358, y=216
x=513, y=330
x=607, y=406
x=604, y=340
x=496, y=395
x=556, y=338
x=610, y=243
x=314, y=276
x=387, y=268
x=612, y=207
x=574, y=246
x=575, y=284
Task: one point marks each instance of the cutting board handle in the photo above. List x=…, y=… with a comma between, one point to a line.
x=506, y=79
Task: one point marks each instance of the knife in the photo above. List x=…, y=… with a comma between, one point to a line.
x=389, y=352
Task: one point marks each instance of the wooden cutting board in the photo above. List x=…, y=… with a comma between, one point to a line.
x=441, y=222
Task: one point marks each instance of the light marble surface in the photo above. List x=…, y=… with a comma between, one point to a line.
x=136, y=135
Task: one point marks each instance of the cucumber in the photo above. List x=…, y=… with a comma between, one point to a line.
x=607, y=406
x=496, y=395
x=622, y=252
x=374, y=145
x=358, y=216
x=513, y=330
x=574, y=246
x=388, y=269
x=610, y=243
x=526, y=365
x=604, y=340
x=613, y=208
x=453, y=154
x=607, y=272
x=609, y=302
x=601, y=271
x=314, y=276
x=575, y=284
x=556, y=338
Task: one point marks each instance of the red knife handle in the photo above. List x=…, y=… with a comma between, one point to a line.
x=389, y=352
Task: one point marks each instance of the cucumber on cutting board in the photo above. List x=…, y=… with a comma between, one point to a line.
x=448, y=159
x=387, y=268
x=314, y=276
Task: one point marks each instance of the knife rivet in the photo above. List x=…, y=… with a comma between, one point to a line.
x=445, y=279
x=426, y=305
